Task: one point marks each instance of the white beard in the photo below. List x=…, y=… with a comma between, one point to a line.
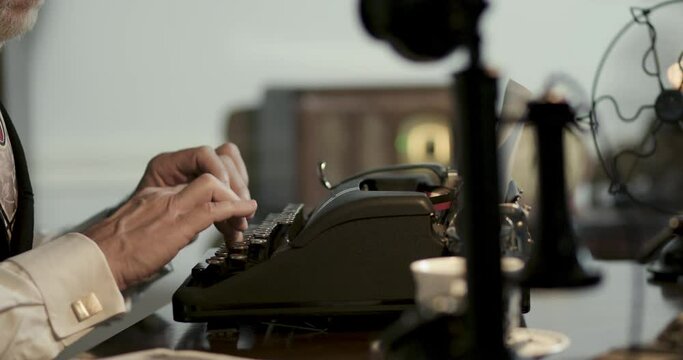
x=14, y=23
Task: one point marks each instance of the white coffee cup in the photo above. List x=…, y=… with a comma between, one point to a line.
x=434, y=279
x=441, y=284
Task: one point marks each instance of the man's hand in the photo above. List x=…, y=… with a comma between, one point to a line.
x=181, y=167
x=149, y=229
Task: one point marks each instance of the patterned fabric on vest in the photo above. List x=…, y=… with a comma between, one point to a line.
x=22, y=229
x=8, y=180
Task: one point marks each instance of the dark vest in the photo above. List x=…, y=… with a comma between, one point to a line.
x=22, y=233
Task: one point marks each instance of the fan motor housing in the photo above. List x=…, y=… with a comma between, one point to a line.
x=669, y=106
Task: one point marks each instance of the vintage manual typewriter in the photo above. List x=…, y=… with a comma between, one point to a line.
x=348, y=257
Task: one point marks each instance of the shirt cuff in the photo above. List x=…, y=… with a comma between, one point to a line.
x=75, y=281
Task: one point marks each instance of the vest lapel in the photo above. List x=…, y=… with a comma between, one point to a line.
x=4, y=243
x=22, y=234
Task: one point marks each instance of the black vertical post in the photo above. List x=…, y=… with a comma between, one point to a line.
x=479, y=225
x=428, y=30
x=476, y=150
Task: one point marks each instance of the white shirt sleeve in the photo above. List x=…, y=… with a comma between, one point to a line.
x=53, y=295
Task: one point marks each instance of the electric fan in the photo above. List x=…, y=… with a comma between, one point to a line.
x=637, y=109
x=639, y=83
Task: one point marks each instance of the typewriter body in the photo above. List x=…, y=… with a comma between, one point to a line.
x=349, y=257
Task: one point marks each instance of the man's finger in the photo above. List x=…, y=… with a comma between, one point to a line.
x=231, y=150
x=230, y=232
x=232, y=236
x=237, y=184
x=208, y=213
x=204, y=189
x=196, y=161
x=234, y=223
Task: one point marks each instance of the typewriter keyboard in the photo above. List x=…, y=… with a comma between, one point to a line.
x=260, y=242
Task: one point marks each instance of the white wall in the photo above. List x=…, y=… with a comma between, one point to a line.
x=101, y=86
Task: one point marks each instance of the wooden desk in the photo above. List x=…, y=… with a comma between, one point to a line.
x=595, y=319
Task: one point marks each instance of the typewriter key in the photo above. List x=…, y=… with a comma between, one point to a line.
x=240, y=248
x=214, y=261
x=257, y=250
x=237, y=262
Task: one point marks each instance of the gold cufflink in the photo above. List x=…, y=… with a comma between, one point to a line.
x=86, y=307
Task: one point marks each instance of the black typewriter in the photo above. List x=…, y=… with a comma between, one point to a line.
x=349, y=257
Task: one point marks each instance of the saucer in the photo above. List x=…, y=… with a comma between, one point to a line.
x=536, y=343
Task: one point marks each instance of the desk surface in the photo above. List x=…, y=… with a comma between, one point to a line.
x=596, y=320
